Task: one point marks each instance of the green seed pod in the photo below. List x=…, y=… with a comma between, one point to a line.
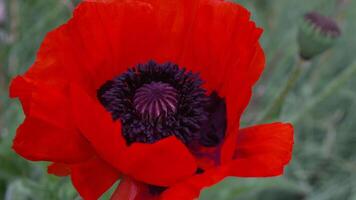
x=317, y=33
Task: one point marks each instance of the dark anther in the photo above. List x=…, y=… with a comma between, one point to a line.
x=213, y=130
x=155, y=101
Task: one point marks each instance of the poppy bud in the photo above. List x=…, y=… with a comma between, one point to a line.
x=317, y=33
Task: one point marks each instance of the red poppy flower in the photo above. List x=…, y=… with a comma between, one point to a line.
x=150, y=92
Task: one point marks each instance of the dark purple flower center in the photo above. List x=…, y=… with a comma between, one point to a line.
x=155, y=101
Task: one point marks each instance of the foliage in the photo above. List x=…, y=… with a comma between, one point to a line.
x=322, y=106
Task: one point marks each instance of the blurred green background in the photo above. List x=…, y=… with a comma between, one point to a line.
x=322, y=105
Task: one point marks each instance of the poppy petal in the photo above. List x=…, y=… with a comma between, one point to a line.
x=212, y=57
x=96, y=125
x=56, y=62
x=263, y=150
x=22, y=88
x=96, y=47
x=165, y=161
x=51, y=104
x=239, y=92
x=47, y=126
x=37, y=140
x=191, y=188
x=188, y=189
x=109, y=42
x=130, y=189
x=93, y=177
x=59, y=169
x=177, y=38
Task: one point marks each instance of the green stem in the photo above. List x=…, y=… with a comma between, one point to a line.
x=328, y=90
x=275, y=109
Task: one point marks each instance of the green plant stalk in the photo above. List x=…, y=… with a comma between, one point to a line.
x=275, y=109
x=328, y=90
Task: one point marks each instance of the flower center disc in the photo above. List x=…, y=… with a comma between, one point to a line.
x=156, y=99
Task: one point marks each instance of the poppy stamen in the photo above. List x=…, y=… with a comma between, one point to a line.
x=154, y=101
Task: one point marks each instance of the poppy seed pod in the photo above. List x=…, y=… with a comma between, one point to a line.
x=317, y=33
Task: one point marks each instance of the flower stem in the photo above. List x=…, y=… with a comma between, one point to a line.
x=328, y=90
x=275, y=109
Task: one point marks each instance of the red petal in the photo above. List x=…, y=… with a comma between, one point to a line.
x=93, y=178
x=165, y=161
x=37, y=140
x=214, y=38
x=111, y=37
x=104, y=41
x=191, y=188
x=22, y=88
x=188, y=189
x=51, y=104
x=43, y=100
x=47, y=102
x=104, y=38
x=269, y=150
x=207, y=157
x=96, y=124
x=130, y=189
x=238, y=94
x=59, y=169
x=263, y=150
x=47, y=126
